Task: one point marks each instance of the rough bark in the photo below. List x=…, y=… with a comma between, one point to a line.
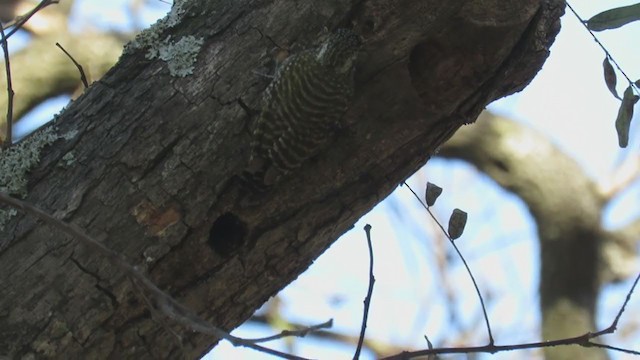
x=155, y=157
x=567, y=208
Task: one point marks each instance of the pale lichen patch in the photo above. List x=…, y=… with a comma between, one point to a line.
x=151, y=36
x=180, y=55
x=5, y=215
x=70, y=135
x=68, y=159
x=16, y=161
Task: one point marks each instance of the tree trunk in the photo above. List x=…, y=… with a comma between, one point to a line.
x=148, y=159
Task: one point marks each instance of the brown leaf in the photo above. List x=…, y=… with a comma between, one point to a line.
x=625, y=114
x=457, y=222
x=610, y=77
x=432, y=193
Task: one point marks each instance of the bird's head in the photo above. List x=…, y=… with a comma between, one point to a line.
x=340, y=50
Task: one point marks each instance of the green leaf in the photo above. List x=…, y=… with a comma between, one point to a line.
x=625, y=114
x=610, y=77
x=614, y=18
x=457, y=222
x=432, y=193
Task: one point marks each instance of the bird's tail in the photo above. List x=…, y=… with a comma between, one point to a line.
x=253, y=181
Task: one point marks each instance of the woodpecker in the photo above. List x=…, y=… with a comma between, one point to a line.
x=302, y=107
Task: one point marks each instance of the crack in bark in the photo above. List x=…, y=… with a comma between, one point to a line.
x=106, y=292
x=157, y=159
x=47, y=253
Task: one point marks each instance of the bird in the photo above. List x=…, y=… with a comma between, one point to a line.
x=302, y=107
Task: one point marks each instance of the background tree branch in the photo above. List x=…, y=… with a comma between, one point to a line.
x=41, y=71
x=577, y=252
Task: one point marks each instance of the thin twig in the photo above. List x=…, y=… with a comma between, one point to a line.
x=297, y=333
x=21, y=20
x=367, y=299
x=582, y=340
x=18, y=23
x=7, y=66
x=156, y=316
x=623, y=176
x=614, y=325
x=584, y=23
x=473, y=279
x=376, y=347
x=169, y=306
x=83, y=77
x=614, y=348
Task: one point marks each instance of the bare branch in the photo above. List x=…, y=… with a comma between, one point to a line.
x=600, y=44
x=367, y=299
x=624, y=175
x=631, y=230
x=83, y=77
x=473, y=279
x=614, y=325
x=302, y=332
x=21, y=20
x=7, y=66
x=157, y=316
x=375, y=346
x=582, y=340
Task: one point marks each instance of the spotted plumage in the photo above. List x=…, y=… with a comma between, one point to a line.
x=302, y=107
